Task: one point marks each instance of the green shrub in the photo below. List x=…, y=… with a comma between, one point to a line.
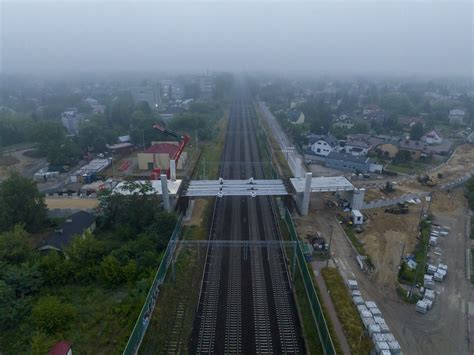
x=50, y=315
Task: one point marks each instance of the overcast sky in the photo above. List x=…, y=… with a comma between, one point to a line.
x=404, y=37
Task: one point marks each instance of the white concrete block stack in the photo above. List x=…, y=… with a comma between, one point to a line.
x=374, y=323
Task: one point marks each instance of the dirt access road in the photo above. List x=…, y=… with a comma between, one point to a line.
x=444, y=329
x=25, y=165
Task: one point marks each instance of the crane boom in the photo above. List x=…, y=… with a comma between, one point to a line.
x=182, y=139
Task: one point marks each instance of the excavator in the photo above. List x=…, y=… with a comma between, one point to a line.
x=182, y=139
x=427, y=180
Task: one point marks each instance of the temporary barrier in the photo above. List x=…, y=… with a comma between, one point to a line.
x=143, y=320
x=315, y=304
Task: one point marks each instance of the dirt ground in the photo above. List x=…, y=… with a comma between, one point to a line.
x=71, y=203
x=376, y=194
x=384, y=236
x=24, y=165
x=443, y=330
x=460, y=163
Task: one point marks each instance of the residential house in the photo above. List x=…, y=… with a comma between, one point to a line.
x=71, y=120
x=124, y=139
x=76, y=225
x=7, y=110
x=343, y=121
x=356, y=147
x=432, y=137
x=297, y=102
x=369, y=109
x=373, y=113
x=322, y=144
x=98, y=109
x=61, y=348
x=296, y=117
x=349, y=162
x=410, y=121
x=470, y=138
x=91, y=101
x=457, y=116
x=148, y=94
x=417, y=149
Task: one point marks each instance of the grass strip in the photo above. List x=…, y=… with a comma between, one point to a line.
x=346, y=310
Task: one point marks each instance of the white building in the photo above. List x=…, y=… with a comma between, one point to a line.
x=71, y=120
x=456, y=116
x=344, y=121
x=322, y=145
x=433, y=137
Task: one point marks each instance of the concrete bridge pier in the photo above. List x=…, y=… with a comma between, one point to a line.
x=355, y=197
x=302, y=199
x=165, y=193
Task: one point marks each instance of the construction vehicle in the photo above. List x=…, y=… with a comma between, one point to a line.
x=182, y=140
x=388, y=188
x=427, y=180
x=400, y=208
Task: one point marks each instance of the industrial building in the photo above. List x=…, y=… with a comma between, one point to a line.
x=158, y=155
x=349, y=162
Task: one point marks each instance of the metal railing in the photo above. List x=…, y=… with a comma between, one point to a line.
x=141, y=325
x=314, y=302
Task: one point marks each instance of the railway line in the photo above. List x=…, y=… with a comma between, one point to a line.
x=246, y=304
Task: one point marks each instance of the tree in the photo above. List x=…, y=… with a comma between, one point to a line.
x=50, y=315
x=84, y=255
x=21, y=203
x=55, y=268
x=8, y=308
x=14, y=246
x=111, y=272
x=403, y=156
x=41, y=343
x=25, y=279
x=53, y=142
x=416, y=131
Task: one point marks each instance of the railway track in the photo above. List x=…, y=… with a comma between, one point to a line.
x=246, y=304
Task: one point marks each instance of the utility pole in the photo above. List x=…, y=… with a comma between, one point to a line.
x=329, y=247
x=143, y=139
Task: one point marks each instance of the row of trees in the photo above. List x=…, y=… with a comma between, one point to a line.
x=124, y=252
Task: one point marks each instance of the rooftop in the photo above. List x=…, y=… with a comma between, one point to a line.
x=323, y=184
x=60, y=348
x=349, y=157
x=76, y=224
x=163, y=148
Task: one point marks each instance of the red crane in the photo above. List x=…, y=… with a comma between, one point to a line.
x=182, y=139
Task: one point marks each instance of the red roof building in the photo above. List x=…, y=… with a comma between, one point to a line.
x=163, y=148
x=61, y=348
x=159, y=155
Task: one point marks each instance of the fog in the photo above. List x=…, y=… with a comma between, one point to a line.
x=427, y=38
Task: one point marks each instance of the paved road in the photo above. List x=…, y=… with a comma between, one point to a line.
x=295, y=160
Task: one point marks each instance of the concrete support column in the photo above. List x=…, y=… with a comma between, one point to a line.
x=173, y=170
x=298, y=167
x=165, y=194
x=306, y=194
x=357, y=199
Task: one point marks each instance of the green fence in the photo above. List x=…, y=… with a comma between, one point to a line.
x=316, y=309
x=143, y=320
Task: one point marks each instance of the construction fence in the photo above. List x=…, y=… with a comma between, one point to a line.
x=143, y=320
x=315, y=304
